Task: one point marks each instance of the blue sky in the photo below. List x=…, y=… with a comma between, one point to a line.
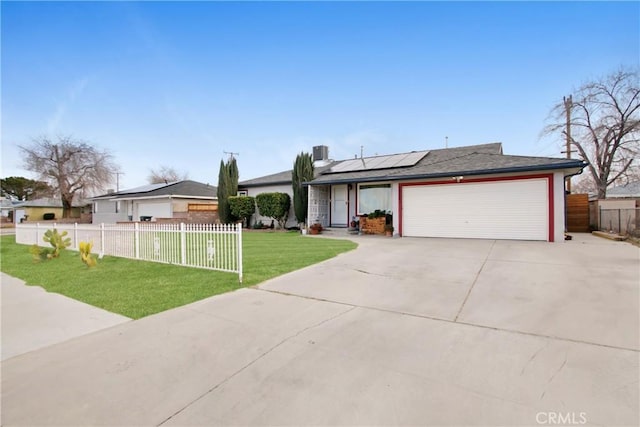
x=178, y=83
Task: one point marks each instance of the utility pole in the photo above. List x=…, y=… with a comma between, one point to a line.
x=231, y=154
x=118, y=180
x=568, y=104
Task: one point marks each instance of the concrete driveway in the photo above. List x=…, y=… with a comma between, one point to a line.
x=398, y=332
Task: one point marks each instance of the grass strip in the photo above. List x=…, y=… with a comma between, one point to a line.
x=138, y=288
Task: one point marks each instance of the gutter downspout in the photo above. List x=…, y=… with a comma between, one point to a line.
x=566, y=219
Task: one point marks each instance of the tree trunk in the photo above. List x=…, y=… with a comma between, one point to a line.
x=602, y=190
x=67, y=201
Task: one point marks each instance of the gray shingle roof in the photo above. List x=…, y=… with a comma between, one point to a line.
x=283, y=177
x=631, y=189
x=49, y=202
x=480, y=159
x=280, y=178
x=179, y=188
x=7, y=204
x=440, y=164
x=469, y=160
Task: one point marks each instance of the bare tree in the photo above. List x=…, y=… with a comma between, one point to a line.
x=604, y=126
x=165, y=174
x=72, y=167
x=584, y=184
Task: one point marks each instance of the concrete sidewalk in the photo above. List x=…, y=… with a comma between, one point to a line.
x=393, y=333
x=33, y=318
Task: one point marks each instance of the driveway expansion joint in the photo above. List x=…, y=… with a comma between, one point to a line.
x=370, y=273
x=474, y=281
x=456, y=322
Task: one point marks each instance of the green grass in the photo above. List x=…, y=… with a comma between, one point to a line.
x=137, y=288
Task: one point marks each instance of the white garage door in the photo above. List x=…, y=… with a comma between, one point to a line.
x=517, y=209
x=155, y=210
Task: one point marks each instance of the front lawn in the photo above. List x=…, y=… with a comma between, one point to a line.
x=137, y=288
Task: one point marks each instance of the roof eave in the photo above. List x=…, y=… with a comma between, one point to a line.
x=264, y=184
x=161, y=196
x=570, y=168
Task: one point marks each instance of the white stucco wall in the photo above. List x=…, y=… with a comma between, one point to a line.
x=558, y=207
x=104, y=211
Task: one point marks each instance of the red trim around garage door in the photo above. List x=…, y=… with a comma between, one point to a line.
x=547, y=176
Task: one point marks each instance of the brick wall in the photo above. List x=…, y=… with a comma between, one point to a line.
x=203, y=217
x=195, y=217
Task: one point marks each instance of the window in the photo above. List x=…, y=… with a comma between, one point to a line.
x=95, y=207
x=372, y=197
x=117, y=206
x=243, y=193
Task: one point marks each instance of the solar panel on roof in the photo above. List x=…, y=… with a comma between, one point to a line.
x=374, y=162
x=347, y=165
x=379, y=162
x=145, y=188
x=413, y=158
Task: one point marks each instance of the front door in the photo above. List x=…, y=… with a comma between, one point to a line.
x=339, y=206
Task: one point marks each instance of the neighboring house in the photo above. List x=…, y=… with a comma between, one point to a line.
x=630, y=190
x=619, y=211
x=34, y=210
x=6, y=206
x=181, y=201
x=462, y=192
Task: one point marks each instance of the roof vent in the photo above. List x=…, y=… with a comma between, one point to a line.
x=320, y=152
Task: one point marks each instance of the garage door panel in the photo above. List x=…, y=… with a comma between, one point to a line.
x=155, y=210
x=515, y=209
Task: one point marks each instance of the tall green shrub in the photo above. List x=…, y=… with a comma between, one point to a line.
x=232, y=172
x=223, y=195
x=302, y=172
x=274, y=205
x=227, y=187
x=242, y=207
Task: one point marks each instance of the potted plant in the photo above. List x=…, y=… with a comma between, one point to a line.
x=388, y=230
x=315, y=228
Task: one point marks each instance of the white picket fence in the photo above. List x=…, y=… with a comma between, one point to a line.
x=210, y=246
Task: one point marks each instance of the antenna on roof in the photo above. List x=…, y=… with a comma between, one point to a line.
x=231, y=154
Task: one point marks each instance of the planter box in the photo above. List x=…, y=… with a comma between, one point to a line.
x=372, y=226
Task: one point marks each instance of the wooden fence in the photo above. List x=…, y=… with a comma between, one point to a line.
x=578, y=213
